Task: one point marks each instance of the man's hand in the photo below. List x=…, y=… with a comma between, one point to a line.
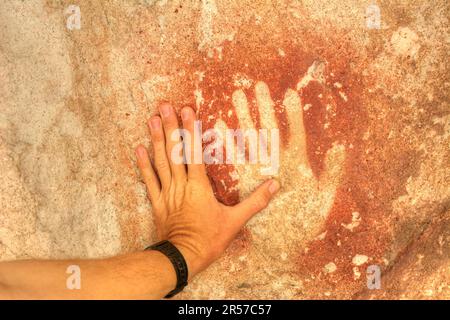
x=184, y=207
x=186, y=213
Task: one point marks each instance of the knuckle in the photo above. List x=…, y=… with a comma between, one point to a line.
x=261, y=201
x=146, y=174
x=161, y=163
x=266, y=195
x=157, y=137
x=159, y=149
x=170, y=126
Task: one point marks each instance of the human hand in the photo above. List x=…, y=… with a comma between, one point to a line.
x=184, y=207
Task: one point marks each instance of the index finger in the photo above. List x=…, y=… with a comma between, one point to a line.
x=193, y=146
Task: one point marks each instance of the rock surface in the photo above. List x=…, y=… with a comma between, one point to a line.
x=363, y=113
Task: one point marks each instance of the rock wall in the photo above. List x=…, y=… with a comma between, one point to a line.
x=362, y=108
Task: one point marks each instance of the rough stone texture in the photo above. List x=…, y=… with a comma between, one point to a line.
x=363, y=115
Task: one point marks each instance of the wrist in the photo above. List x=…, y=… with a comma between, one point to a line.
x=166, y=279
x=191, y=256
x=178, y=262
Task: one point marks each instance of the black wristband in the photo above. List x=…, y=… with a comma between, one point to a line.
x=179, y=264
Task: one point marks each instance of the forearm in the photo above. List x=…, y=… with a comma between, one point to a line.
x=186, y=213
x=142, y=275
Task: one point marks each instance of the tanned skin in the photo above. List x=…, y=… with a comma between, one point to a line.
x=179, y=195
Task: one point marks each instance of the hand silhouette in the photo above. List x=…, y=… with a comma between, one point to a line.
x=305, y=200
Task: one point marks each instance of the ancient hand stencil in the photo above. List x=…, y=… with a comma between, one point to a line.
x=312, y=195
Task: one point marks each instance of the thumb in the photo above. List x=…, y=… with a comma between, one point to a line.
x=255, y=202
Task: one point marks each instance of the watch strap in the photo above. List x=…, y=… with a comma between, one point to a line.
x=178, y=262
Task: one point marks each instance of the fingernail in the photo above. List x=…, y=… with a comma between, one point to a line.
x=165, y=110
x=155, y=124
x=274, y=186
x=140, y=152
x=185, y=114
